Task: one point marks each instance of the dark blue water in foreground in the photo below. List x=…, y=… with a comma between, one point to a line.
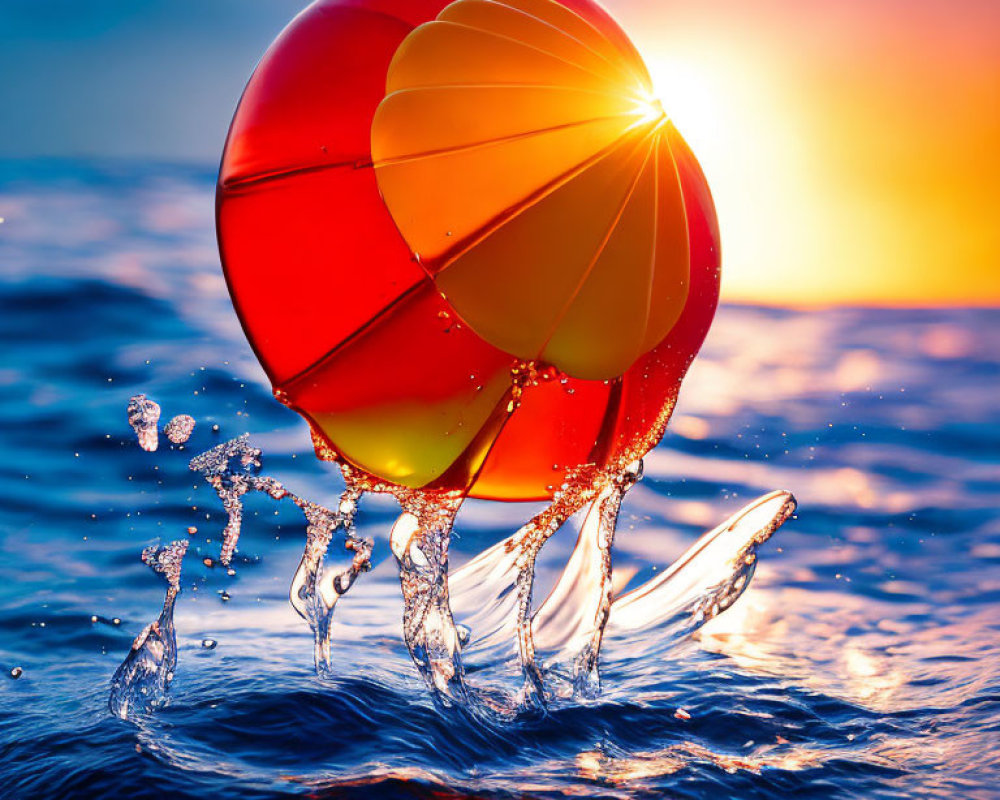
x=864, y=661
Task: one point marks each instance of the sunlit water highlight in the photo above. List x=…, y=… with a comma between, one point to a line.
x=863, y=660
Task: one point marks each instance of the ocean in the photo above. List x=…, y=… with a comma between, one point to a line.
x=862, y=661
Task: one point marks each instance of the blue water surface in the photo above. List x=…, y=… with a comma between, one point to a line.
x=862, y=662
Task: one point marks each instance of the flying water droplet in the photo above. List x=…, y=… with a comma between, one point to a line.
x=143, y=415
x=179, y=429
x=140, y=684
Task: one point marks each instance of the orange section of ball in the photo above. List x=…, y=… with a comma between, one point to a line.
x=394, y=296
x=530, y=174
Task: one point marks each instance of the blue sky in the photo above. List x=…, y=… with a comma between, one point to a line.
x=128, y=78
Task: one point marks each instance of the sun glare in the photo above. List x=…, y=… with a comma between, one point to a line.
x=726, y=114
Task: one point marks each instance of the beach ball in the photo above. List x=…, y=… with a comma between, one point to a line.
x=465, y=240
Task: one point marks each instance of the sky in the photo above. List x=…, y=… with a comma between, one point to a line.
x=852, y=146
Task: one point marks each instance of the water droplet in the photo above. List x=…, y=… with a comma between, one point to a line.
x=16, y=673
x=179, y=429
x=209, y=644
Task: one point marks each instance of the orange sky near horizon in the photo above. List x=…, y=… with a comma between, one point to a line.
x=853, y=147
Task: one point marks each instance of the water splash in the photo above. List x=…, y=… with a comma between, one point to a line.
x=496, y=589
x=141, y=683
x=232, y=468
x=705, y=581
x=577, y=610
x=556, y=649
x=143, y=415
x=315, y=589
x=581, y=624
x=499, y=584
x=419, y=539
x=180, y=428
